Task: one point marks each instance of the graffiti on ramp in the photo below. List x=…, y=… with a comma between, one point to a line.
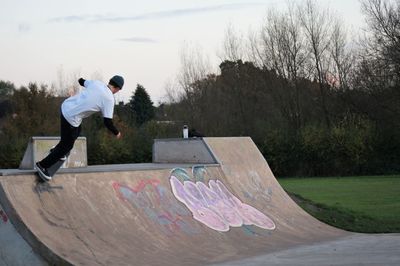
x=213, y=204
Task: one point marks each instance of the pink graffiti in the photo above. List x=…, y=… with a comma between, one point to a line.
x=216, y=207
x=3, y=216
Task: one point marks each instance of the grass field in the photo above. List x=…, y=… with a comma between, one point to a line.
x=360, y=204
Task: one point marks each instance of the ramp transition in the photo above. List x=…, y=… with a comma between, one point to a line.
x=188, y=214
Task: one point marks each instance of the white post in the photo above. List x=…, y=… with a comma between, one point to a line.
x=185, y=132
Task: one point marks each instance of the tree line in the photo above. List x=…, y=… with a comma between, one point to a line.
x=34, y=110
x=315, y=101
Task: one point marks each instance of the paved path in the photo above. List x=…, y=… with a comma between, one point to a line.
x=360, y=249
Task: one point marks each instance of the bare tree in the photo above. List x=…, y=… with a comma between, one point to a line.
x=284, y=44
x=67, y=84
x=283, y=49
x=317, y=24
x=171, y=92
x=342, y=55
x=254, y=49
x=233, y=45
x=195, y=67
x=378, y=70
x=383, y=43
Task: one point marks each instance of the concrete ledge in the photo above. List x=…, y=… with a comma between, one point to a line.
x=108, y=168
x=191, y=150
x=39, y=147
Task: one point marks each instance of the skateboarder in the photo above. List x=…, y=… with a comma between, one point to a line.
x=96, y=97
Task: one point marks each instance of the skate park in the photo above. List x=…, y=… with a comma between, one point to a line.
x=200, y=132
x=202, y=201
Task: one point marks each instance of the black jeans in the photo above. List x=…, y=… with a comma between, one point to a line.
x=68, y=136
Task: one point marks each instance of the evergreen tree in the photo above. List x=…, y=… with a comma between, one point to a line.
x=141, y=105
x=6, y=89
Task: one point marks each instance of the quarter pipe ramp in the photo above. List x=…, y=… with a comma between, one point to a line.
x=159, y=214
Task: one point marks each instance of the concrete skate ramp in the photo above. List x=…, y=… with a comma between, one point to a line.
x=173, y=216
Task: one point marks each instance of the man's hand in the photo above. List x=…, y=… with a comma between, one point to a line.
x=119, y=135
x=81, y=82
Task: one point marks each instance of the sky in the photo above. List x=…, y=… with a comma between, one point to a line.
x=43, y=40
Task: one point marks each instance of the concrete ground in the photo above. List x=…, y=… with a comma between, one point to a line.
x=357, y=249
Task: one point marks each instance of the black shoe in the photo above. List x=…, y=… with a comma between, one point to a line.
x=43, y=172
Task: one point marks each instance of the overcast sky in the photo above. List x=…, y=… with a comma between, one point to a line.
x=140, y=40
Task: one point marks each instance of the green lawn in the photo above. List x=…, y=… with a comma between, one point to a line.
x=362, y=204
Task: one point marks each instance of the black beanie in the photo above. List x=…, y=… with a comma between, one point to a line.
x=117, y=81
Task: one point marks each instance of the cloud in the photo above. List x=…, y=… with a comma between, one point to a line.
x=177, y=12
x=139, y=40
x=69, y=19
x=157, y=15
x=24, y=27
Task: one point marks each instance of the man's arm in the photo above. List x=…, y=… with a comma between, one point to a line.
x=110, y=125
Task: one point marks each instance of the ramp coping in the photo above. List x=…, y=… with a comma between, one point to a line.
x=109, y=168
